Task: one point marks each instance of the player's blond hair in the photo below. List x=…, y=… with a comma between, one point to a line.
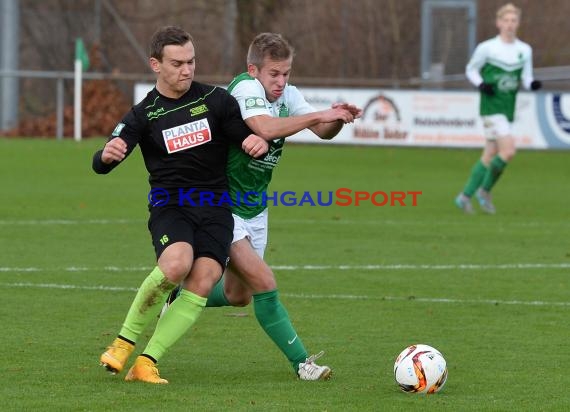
x=509, y=8
x=271, y=45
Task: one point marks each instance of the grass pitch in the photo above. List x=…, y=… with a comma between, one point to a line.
x=360, y=282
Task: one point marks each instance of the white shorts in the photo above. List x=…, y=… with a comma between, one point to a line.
x=496, y=126
x=254, y=229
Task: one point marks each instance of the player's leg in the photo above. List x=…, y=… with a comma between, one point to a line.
x=235, y=290
x=217, y=297
x=239, y=295
x=211, y=244
x=232, y=289
x=177, y=320
x=506, y=150
x=246, y=257
x=174, y=261
x=230, y=281
x=478, y=171
x=147, y=303
x=250, y=273
x=269, y=311
x=481, y=166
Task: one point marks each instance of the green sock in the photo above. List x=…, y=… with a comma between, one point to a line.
x=495, y=170
x=217, y=297
x=175, y=322
x=274, y=319
x=147, y=304
x=475, y=178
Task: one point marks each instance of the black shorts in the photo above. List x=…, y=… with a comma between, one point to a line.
x=208, y=229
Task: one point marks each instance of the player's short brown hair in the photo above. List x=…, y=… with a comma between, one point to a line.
x=166, y=36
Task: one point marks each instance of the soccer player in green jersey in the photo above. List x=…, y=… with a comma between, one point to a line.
x=498, y=66
x=273, y=109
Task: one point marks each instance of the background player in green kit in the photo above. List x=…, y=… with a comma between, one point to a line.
x=497, y=68
x=273, y=109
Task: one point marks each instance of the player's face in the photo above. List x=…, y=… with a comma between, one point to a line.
x=176, y=70
x=273, y=75
x=508, y=24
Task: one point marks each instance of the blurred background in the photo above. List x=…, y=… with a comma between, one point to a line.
x=384, y=44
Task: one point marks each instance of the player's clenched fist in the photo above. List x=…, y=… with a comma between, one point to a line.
x=254, y=145
x=114, y=151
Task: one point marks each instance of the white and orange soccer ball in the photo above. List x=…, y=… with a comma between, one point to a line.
x=420, y=369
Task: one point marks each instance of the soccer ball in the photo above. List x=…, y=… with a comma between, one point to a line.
x=421, y=369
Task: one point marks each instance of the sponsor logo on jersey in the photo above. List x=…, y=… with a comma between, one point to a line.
x=187, y=135
x=155, y=114
x=254, y=103
x=508, y=82
x=271, y=159
x=117, y=131
x=283, y=110
x=195, y=111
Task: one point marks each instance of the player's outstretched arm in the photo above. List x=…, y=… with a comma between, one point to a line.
x=270, y=128
x=338, y=117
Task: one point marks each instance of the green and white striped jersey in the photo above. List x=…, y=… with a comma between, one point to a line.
x=505, y=66
x=247, y=175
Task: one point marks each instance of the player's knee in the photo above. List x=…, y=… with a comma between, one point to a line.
x=508, y=153
x=487, y=157
x=238, y=296
x=175, y=270
x=265, y=281
x=240, y=300
x=268, y=284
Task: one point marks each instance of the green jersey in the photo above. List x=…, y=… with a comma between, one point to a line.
x=248, y=177
x=505, y=66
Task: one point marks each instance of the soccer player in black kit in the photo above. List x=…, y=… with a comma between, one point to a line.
x=184, y=130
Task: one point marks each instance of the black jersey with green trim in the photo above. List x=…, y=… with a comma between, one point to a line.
x=185, y=141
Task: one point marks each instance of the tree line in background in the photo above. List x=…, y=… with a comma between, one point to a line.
x=339, y=41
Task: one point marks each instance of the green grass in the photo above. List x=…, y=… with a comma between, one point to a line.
x=490, y=292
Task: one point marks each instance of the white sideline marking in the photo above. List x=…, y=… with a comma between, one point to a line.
x=77, y=269
x=429, y=300
x=327, y=221
x=7, y=222
x=428, y=267
x=464, y=266
x=305, y=296
x=389, y=222
x=63, y=286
